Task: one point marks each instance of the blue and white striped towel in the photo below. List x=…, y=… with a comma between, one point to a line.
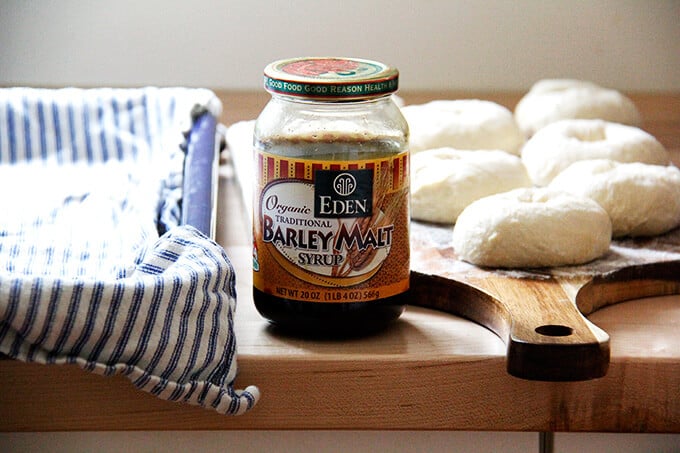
x=94, y=267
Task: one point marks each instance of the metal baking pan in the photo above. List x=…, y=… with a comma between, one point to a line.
x=201, y=164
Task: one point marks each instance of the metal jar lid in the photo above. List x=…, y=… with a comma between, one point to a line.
x=330, y=78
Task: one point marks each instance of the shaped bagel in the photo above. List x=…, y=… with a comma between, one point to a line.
x=445, y=180
x=463, y=124
x=641, y=199
x=532, y=227
x=560, y=144
x=551, y=100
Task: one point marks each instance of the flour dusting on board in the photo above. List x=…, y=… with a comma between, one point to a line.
x=432, y=252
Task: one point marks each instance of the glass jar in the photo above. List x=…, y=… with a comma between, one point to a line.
x=331, y=198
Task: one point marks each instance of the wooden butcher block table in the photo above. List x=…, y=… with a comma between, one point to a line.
x=617, y=370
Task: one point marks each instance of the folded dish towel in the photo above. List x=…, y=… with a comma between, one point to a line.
x=94, y=267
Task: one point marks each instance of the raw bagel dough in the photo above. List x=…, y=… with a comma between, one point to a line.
x=551, y=100
x=533, y=227
x=642, y=200
x=558, y=145
x=445, y=180
x=463, y=124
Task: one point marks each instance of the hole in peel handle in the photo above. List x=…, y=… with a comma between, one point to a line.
x=554, y=330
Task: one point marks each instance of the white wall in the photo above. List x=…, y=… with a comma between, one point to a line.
x=449, y=44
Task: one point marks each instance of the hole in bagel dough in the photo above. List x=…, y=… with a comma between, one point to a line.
x=554, y=330
x=589, y=134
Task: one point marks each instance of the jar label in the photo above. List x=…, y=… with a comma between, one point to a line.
x=331, y=231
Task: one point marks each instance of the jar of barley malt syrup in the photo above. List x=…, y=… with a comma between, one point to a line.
x=331, y=197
